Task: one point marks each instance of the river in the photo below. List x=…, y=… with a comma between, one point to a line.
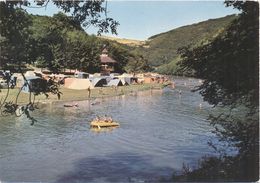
x=159, y=131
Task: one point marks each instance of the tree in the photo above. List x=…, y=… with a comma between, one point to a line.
x=137, y=63
x=15, y=22
x=229, y=66
x=17, y=47
x=85, y=51
x=14, y=34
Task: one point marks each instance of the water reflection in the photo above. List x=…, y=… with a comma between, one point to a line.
x=111, y=168
x=102, y=130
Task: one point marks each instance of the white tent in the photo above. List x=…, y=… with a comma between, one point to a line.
x=115, y=82
x=99, y=82
x=126, y=81
x=29, y=74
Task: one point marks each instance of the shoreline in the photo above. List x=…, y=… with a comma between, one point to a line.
x=69, y=95
x=104, y=96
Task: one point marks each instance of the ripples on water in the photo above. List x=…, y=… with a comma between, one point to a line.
x=159, y=131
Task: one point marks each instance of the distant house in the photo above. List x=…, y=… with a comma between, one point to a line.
x=34, y=84
x=107, y=63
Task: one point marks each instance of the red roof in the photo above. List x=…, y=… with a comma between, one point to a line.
x=106, y=59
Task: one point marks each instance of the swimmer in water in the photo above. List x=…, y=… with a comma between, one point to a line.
x=173, y=85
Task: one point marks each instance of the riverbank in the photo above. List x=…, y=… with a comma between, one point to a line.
x=78, y=95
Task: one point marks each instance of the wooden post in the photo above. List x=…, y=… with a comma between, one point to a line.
x=89, y=92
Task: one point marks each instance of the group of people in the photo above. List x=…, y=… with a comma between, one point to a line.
x=104, y=118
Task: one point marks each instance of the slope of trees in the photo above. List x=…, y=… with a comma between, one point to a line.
x=62, y=43
x=161, y=49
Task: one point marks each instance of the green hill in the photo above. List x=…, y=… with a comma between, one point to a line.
x=161, y=49
x=158, y=52
x=59, y=42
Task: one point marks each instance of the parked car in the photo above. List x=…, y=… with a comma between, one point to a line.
x=2, y=74
x=3, y=84
x=81, y=75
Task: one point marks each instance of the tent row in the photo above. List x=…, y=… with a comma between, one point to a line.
x=83, y=84
x=36, y=83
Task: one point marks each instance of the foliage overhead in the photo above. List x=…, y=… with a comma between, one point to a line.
x=86, y=13
x=14, y=35
x=229, y=66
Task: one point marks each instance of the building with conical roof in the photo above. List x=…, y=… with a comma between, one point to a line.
x=107, y=63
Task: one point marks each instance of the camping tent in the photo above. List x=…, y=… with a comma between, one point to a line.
x=29, y=74
x=34, y=84
x=19, y=80
x=149, y=80
x=108, y=78
x=126, y=81
x=115, y=82
x=99, y=82
x=127, y=75
x=78, y=84
x=68, y=82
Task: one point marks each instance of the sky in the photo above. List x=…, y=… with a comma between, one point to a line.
x=142, y=19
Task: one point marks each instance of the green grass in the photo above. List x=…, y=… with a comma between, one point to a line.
x=77, y=95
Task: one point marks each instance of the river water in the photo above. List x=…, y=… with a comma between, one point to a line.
x=159, y=131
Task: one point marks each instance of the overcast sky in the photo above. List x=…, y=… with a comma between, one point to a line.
x=142, y=19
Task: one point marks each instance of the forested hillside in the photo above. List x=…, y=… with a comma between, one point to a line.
x=60, y=42
x=162, y=48
x=64, y=44
x=57, y=43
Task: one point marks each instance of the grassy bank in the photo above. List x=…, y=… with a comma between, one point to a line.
x=77, y=95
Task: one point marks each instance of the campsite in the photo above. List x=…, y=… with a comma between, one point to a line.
x=74, y=89
x=129, y=91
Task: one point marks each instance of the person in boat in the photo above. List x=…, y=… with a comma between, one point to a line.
x=110, y=119
x=97, y=118
x=106, y=118
x=102, y=118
